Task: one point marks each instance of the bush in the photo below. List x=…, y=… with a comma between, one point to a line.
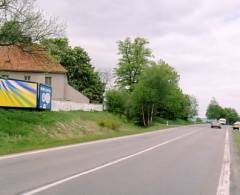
x=110, y=123
x=160, y=120
x=116, y=101
x=199, y=120
x=181, y=122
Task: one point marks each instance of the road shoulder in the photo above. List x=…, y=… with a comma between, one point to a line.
x=235, y=168
x=63, y=147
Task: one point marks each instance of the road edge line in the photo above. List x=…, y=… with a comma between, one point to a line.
x=224, y=180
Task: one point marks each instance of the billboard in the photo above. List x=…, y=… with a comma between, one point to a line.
x=45, y=96
x=18, y=94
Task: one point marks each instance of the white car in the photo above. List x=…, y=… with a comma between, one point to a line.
x=216, y=124
x=222, y=121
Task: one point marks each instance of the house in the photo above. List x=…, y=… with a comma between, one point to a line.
x=35, y=65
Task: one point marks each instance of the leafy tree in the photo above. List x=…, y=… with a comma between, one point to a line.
x=193, y=109
x=154, y=85
x=176, y=105
x=81, y=74
x=22, y=24
x=135, y=56
x=117, y=101
x=11, y=33
x=56, y=47
x=231, y=115
x=214, y=110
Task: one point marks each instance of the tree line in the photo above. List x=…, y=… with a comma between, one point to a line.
x=215, y=111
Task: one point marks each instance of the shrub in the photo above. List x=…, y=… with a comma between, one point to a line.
x=116, y=101
x=109, y=123
x=160, y=120
x=199, y=120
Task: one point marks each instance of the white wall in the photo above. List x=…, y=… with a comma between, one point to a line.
x=68, y=106
x=73, y=95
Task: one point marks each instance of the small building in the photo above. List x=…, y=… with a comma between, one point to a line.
x=37, y=66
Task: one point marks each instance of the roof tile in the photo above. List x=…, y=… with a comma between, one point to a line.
x=13, y=58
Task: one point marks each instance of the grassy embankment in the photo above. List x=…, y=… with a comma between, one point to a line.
x=237, y=140
x=27, y=130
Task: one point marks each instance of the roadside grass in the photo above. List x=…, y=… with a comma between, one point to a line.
x=29, y=130
x=172, y=122
x=236, y=136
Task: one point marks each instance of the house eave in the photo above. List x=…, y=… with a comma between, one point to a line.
x=34, y=71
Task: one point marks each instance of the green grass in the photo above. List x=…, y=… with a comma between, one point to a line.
x=237, y=140
x=172, y=122
x=29, y=130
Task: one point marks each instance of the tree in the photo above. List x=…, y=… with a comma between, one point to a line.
x=231, y=115
x=176, y=105
x=107, y=78
x=4, y=4
x=193, y=109
x=214, y=110
x=154, y=85
x=22, y=24
x=11, y=33
x=81, y=74
x=55, y=47
x=135, y=56
x=117, y=101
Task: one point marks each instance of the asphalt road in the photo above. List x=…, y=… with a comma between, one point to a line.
x=178, y=161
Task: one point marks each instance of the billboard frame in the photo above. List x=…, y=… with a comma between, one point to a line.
x=25, y=108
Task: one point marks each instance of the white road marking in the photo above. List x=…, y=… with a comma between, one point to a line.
x=43, y=188
x=6, y=157
x=224, y=181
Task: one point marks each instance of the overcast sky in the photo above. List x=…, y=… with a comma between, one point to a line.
x=200, y=38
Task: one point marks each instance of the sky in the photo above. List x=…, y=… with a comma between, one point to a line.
x=199, y=38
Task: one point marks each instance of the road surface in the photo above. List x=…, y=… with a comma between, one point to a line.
x=178, y=161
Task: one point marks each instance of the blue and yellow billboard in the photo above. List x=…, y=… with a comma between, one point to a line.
x=19, y=94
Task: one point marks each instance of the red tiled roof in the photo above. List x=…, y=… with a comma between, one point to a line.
x=13, y=58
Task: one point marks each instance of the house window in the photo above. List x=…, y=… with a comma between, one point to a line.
x=27, y=78
x=5, y=76
x=48, y=81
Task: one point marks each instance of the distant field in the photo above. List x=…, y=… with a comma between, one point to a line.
x=28, y=130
